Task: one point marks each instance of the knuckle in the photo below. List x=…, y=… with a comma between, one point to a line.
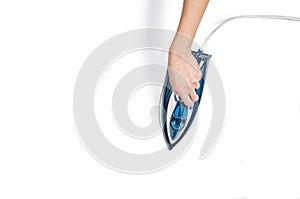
x=190, y=104
x=195, y=97
x=195, y=79
x=199, y=75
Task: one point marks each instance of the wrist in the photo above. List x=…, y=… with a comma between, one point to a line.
x=181, y=44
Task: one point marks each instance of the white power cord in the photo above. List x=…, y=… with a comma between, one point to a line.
x=223, y=22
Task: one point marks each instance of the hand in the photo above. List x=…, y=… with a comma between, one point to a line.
x=184, y=75
x=183, y=69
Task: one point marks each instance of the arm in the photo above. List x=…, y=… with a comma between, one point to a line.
x=183, y=69
x=192, y=13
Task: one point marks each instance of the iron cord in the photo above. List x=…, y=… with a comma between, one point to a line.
x=224, y=21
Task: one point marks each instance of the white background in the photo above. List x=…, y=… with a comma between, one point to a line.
x=43, y=45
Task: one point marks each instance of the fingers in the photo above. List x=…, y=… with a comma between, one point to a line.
x=186, y=100
x=196, y=85
x=195, y=78
x=193, y=95
x=189, y=99
x=188, y=96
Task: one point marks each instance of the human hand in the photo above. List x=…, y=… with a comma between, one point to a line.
x=184, y=74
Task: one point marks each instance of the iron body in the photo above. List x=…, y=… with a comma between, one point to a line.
x=176, y=118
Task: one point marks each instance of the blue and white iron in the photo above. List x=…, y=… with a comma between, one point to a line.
x=176, y=117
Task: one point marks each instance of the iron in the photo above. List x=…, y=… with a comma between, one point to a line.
x=176, y=117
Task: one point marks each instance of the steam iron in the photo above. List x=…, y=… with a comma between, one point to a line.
x=176, y=117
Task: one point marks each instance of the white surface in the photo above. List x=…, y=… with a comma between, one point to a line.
x=43, y=45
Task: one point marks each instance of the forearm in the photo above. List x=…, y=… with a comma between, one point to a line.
x=192, y=13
